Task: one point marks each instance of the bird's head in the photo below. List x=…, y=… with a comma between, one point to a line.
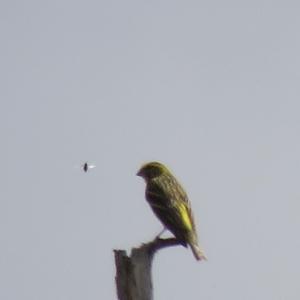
x=151, y=170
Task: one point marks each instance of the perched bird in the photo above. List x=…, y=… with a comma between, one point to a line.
x=170, y=204
x=86, y=167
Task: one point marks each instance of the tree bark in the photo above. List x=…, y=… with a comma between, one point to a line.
x=133, y=273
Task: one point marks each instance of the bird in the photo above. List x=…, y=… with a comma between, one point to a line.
x=85, y=167
x=171, y=205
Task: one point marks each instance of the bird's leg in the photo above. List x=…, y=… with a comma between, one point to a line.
x=161, y=232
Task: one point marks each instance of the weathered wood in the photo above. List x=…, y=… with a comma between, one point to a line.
x=133, y=273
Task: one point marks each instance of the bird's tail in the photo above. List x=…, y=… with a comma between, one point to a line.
x=198, y=252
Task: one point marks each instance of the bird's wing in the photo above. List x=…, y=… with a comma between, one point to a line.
x=170, y=203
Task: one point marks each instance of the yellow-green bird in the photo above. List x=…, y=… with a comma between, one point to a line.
x=170, y=204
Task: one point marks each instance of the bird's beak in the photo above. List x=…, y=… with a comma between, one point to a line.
x=139, y=173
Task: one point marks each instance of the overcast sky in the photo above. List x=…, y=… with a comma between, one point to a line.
x=211, y=90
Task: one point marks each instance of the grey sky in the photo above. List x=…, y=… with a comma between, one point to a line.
x=210, y=90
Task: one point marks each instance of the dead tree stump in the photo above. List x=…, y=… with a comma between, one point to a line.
x=133, y=273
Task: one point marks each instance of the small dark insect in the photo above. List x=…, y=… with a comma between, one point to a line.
x=86, y=167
